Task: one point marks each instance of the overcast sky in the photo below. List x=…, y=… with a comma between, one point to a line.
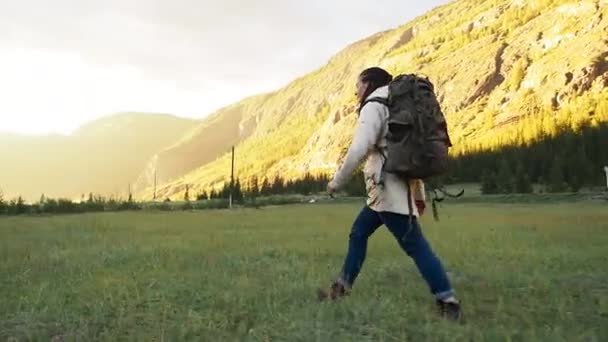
x=65, y=62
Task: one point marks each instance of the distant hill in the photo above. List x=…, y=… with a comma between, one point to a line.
x=103, y=156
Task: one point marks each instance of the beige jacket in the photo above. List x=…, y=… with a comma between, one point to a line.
x=369, y=138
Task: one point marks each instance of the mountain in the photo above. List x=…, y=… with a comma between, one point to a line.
x=505, y=71
x=102, y=156
x=203, y=144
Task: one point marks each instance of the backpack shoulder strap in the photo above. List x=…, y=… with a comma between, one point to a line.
x=381, y=100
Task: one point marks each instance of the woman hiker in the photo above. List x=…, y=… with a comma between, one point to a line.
x=387, y=202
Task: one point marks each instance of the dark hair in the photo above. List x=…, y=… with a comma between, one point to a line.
x=375, y=78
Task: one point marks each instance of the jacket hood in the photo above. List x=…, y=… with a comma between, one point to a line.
x=380, y=92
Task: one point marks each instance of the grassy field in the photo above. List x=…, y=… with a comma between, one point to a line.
x=523, y=272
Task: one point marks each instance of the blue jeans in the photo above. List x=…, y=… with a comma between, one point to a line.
x=410, y=238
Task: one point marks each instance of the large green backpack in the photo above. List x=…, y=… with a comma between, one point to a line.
x=417, y=139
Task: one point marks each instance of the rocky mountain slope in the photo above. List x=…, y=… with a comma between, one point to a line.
x=503, y=69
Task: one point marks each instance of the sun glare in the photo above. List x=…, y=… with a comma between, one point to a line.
x=51, y=92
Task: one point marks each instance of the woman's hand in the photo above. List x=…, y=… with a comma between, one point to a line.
x=331, y=189
x=421, y=205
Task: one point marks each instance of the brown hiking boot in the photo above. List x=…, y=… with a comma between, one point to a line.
x=450, y=310
x=336, y=291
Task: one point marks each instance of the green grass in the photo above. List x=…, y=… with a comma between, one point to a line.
x=533, y=272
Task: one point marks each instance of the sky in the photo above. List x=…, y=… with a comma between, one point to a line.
x=66, y=62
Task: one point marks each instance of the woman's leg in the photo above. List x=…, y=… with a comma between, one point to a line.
x=364, y=226
x=412, y=241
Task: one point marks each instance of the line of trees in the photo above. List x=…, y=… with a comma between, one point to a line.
x=567, y=161
x=307, y=185
x=242, y=192
x=45, y=205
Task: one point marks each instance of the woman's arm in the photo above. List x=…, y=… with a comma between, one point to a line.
x=367, y=132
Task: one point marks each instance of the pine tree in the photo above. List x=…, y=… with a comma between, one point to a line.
x=574, y=172
x=556, y=177
x=289, y=187
x=575, y=182
x=238, y=192
x=20, y=207
x=187, y=193
x=504, y=178
x=225, y=193
x=202, y=196
x=278, y=185
x=580, y=169
x=523, y=185
x=517, y=74
x=266, y=189
x=3, y=204
x=488, y=183
x=254, y=189
x=488, y=119
x=309, y=185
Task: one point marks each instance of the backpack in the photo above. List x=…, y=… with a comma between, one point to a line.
x=417, y=138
